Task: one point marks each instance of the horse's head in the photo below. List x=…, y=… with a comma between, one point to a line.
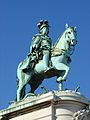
x=67, y=40
x=70, y=35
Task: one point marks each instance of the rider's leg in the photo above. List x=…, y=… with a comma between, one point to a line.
x=46, y=59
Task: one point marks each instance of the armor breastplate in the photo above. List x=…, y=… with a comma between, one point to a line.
x=45, y=41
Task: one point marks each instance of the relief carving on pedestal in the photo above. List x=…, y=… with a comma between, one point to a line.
x=81, y=114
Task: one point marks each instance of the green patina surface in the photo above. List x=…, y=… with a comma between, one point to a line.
x=45, y=60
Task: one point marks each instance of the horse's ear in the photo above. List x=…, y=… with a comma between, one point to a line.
x=66, y=26
x=75, y=28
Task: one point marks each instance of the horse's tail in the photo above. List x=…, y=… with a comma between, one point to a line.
x=17, y=83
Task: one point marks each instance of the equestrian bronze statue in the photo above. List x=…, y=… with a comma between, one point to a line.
x=46, y=60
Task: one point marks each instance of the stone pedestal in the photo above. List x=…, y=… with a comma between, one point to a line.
x=62, y=105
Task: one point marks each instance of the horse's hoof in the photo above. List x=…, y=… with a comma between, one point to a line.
x=46, y=69
x=59, y=80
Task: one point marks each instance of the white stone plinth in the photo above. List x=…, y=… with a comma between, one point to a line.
x=62, y=105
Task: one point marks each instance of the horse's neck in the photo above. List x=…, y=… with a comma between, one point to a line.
x=61, y=43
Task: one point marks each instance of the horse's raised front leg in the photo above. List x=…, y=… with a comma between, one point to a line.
x=64, y=69
x=66, y=73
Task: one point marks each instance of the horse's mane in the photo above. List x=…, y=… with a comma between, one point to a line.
x=61, y=36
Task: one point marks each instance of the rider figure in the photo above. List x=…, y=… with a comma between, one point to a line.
x=41, y=43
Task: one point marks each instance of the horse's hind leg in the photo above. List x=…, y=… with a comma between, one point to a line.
x=35, y=83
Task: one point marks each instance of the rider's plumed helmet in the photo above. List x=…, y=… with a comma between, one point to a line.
x=43, y=23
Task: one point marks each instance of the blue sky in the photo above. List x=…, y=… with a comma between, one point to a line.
x=18, y=19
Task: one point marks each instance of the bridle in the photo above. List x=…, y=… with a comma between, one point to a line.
x=71, y=47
